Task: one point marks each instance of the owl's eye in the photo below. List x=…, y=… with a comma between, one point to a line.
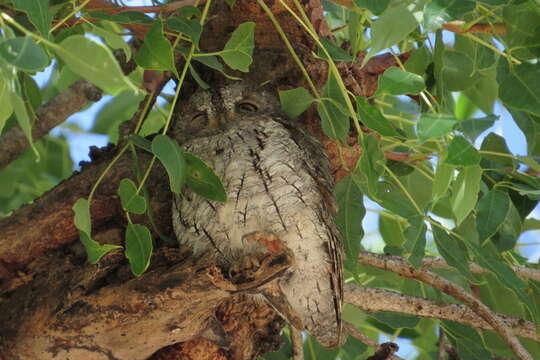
x=247, y=106
x=199, y=118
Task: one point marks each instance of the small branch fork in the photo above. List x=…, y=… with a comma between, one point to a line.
x=401, y=267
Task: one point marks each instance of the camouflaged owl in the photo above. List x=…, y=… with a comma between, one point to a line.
x=279, y=186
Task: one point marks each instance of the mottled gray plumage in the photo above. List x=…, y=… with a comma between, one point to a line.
x=278, y=182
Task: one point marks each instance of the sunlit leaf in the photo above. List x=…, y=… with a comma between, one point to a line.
x=432, y=126
x=294, y=102
x=88, y=58
x=519, y=86
x=398, y=82
x=461, y=152
x=238, y=50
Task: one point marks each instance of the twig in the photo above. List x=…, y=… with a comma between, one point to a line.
x=354, y=332
x=373, y=300
x=457, y=27
x=521, y=271
x=53, y=113
x=297, y=344
x=402, y=268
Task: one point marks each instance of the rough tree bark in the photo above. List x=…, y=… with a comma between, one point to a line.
x=54, y=305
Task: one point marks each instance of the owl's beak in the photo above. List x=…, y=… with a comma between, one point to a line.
x=225, y=117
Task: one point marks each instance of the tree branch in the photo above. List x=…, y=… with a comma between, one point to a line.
x=297, y=344
x=524, y=272
x=402, y=268
x=354, y=332
x=373, y=300
x=57, y=110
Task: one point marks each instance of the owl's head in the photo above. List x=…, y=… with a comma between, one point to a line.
x=211, y=111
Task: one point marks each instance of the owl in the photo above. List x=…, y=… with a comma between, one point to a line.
x=279, y=187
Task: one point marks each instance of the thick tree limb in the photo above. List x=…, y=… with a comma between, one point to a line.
x=57, y=110
x=373, y=300
x=399, y=266
x=102, y=311
x=354, y=332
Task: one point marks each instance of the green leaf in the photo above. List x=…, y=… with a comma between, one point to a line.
x=419, y=61
x=484, y=91
x=472, y=128
x=112, y=38
x=156, y=53
x=415, y=243
x=523, y=29
x=337, y=53
x=491, y=212
x=350, y=215
x=127, y=17
x=438, y=12
x=131, y=201
x=375, y=6
x=332, y=111
x=394, y=25
x=38, y=13
x=507, y=236
x=141, y=142
x=465, y=192
x=23, y=119
x=467, y=341
x=431, y=126
x=398, y=82
x=94, y=250
x=457, y=70
x=138, y=248
x=370, y=166
x=443, y=177
x=372, y=117
x=24, y=53
x=519, y=86
x=496, y=144
x=465, y=108
x=188, y=27
x=461, y=152
x=452, y=252
x=489, y=259
x=238, y=51
x=294, y=102
x=82, y=221
x=202, y=180
x=6, y=109
x=169, y=153
x=392, y=231
x=88, y=58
